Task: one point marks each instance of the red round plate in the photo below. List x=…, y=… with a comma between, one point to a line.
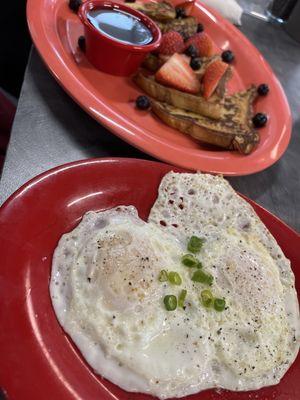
x=38, y=361
x=110, y=100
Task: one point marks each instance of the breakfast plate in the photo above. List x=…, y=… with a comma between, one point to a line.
x=38, y=360
x=55, y=30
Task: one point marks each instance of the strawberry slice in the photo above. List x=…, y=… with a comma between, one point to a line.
x=177, y=73
x=172, y=42
x=203, y=43
x=212, y=77
x=188, y=5
x=163, y=58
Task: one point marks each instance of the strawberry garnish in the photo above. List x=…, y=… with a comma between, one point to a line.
x=186, y=4
x=172, y=42
x=212, y=76
x=203, y=43
x=177, y=73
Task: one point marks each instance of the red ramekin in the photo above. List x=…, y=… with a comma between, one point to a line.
x=108, y=54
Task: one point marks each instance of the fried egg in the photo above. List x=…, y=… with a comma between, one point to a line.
x=108, y=297
x=258, y=335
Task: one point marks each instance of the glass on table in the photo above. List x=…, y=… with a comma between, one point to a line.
x=281, y=9
x=269, y=10
x=256, y=8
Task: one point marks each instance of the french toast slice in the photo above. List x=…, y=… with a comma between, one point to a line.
x=233, y=130
x=176, y=98
x=162, y=11
x=238, y=107
x=187, y=27
x=152, y=62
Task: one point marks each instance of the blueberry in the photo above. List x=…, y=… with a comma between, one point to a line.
x=75, y=4
x=259, y=120
x=180, y=13
x=263, y=89
x=129, y=1
x=227, y=56
x=195, y=63
x=142, y=102
x=81, y=43
x=200, y=27
x=185, y=35
x=192, y=51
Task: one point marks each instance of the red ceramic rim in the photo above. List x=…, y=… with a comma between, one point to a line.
x=106, y=4
x=46, y=19
x=38, y=361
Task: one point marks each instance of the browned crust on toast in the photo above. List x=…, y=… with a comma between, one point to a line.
x=152, y=62
x=162, y=11
x=225, y=134
x=239, y=107
x=177, y=98
x=187, y=27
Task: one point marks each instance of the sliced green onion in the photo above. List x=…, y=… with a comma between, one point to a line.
x=207, y=298
x=163, y=276
x=170, y=302
x=195, y=244
x=181, y=298
x=202, y=277
x=189, y=261
x=219, y=304
x=199, y=276
x=209, y=279
x=174, y=278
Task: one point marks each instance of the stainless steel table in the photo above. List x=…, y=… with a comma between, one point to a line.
x=50, y=129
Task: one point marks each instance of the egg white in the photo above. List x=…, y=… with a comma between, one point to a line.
x=260, y=332
x=106, y=293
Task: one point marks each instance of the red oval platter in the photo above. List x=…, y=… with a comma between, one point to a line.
x=38, y=361
x=110, y=100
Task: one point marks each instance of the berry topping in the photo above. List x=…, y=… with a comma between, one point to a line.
x=195, y=63
x=192, y=51
x=142, y=102
x=75, y=4
x=259, y=120
x=227, y=56
x=200, y=27
x=172, y=42
x=212, y=77
x=177, y=73
x=203, y=43
x=263, y=89
x=81, y=43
